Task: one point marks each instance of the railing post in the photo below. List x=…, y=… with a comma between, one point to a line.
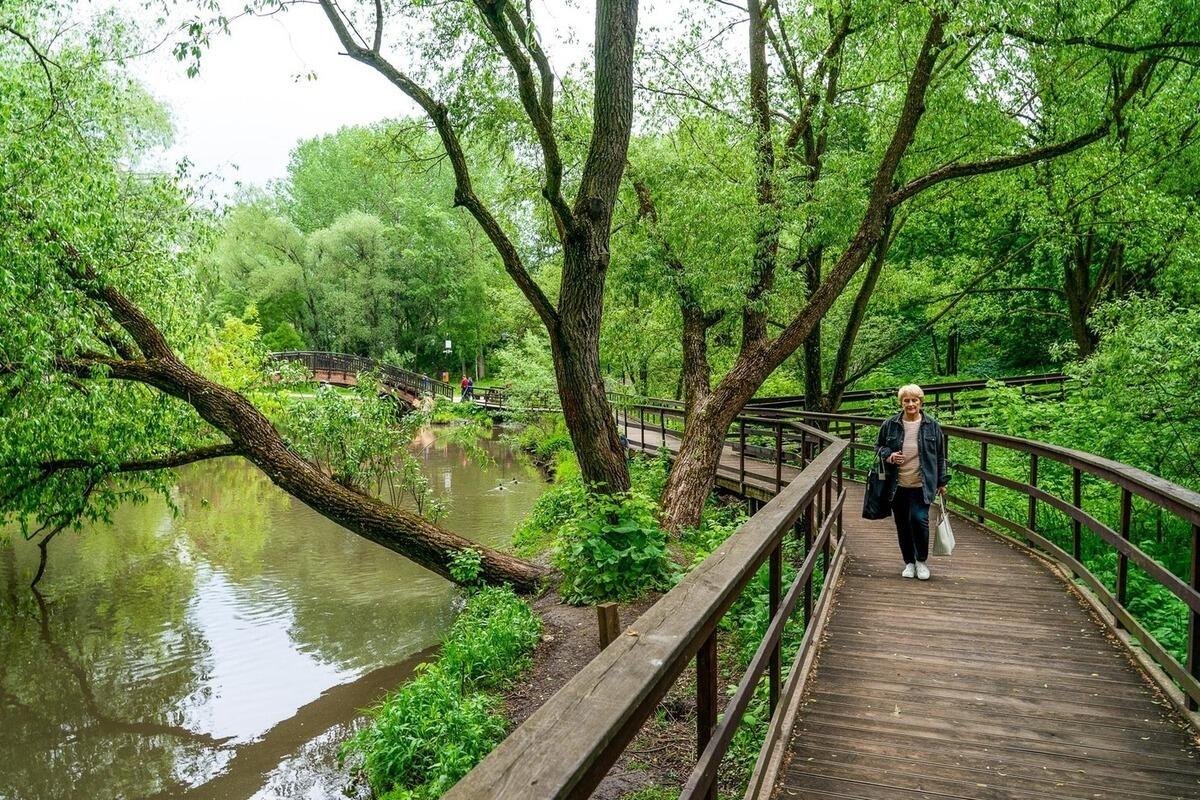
x=1193, y=656
x=662, y=425
x=742, y=454
x=824, y=515
x=1122, y=559
x=807, y=533
x=853, y=449
x=803, y=448
x=1077, y=499
x=983, y=448
x=642, y=424
x=775, y=592
x=706, y=698
x=778, y=457
x=1033, y=479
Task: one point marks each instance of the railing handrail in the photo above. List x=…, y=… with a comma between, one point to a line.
x=977, y=384
x=1180, y=500
x=655, y=649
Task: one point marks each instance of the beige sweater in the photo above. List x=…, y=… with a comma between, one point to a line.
x=910, y=467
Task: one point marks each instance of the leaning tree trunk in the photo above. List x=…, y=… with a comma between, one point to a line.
x=252, y=433
x=695, y=469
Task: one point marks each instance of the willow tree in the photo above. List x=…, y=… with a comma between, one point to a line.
x=108, y=378
x=848, y=114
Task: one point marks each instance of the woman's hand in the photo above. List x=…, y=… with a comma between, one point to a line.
x=942, y=491
x=896, y=458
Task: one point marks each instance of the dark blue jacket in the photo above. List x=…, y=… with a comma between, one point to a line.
x=931, y=450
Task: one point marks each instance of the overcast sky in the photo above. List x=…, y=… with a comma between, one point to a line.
x=245, y=111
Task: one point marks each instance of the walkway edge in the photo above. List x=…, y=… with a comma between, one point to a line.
x=779, y=733
x=1150, y=669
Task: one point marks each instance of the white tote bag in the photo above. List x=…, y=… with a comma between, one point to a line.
x=943, y=539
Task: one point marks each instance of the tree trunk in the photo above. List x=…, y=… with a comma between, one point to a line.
x=576, y=349
x=694, y=471
x=392, y=527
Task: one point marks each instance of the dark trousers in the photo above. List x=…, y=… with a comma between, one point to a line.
x=911, y=514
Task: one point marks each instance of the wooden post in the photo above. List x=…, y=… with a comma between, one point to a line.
x=1033, y=479
x=778, y=457
x=824, y=515
x=775, y=593
x=742, y=454
x=1193, y=656
x=982, y=481
x=1122, y=559
x=610, y=623
x=1077, y=499
x=706, y=698
x=853, y=449
x=662, y=425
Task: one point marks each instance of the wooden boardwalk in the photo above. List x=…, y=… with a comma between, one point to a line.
x=991, y=680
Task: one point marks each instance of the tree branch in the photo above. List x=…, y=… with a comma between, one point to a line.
x=1099, y=44
x=496, y=14
x=169, y=461
x=1141, y=75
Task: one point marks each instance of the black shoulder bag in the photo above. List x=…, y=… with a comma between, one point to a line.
x=877, y=499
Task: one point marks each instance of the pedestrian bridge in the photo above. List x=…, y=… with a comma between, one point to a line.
x=1015, y=672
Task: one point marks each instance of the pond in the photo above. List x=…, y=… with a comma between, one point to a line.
x=222, y=652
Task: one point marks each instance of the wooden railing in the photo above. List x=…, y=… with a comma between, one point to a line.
x=1078, y=479
x=350, y=365
x=952, y=396
x=567, y=746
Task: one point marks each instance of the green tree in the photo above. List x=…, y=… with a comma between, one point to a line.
x=108, y=376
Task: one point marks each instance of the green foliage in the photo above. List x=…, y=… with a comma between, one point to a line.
x=556, y=506
x=1133, y=401
x=437, y=726
x=465, y=566
x=361, y=251
x=614, y=549
x=490, y=643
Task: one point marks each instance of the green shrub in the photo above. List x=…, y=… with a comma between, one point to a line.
x=465, y=566
x=427, y=735
x=557, y=506
x=432, y=730
x=614, y=550
x=490, y=642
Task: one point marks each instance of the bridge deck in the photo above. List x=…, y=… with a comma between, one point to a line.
x=991, y=680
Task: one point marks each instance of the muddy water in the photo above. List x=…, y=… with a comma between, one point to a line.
x=221, y=652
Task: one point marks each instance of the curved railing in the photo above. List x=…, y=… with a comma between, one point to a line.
x=619, y=689
x=952, y=396
x=350, y=365
x=1079, y=509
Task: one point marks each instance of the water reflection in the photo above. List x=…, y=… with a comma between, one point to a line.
x=220, y=652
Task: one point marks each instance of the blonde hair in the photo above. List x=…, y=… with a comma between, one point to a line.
x=910, y=389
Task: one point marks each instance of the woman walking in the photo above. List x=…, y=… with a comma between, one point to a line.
x=911, y=441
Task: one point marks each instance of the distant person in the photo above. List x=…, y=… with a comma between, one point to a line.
x=469, y=390
x=911, y=442
x=462, y=386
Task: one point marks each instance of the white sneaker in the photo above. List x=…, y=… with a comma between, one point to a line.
x=922, y=571
x=910, y=570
